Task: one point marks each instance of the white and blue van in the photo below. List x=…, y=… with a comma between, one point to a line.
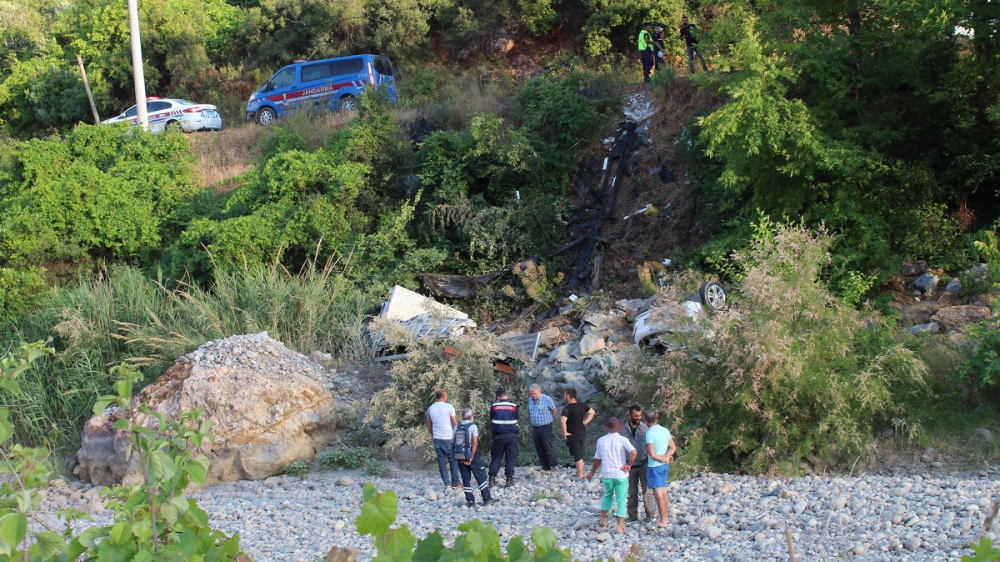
x=330, y=84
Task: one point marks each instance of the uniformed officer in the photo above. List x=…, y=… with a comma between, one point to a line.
x=646, y=45
x=503, y=415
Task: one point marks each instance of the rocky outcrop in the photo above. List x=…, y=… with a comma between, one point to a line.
x=269, y=404
x=955, y=317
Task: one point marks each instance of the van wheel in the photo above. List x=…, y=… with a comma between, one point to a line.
x=266, y=116
x=713, y=295
x=347, y=103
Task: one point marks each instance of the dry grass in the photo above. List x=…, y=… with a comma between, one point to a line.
x=470, y=94
x=224, y=155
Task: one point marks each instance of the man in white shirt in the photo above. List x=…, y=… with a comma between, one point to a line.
x=614, y=457
x=441, y=422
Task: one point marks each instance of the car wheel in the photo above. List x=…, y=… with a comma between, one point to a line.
x=266, y=116
x=713, y=295
x=172, y=125
x=347, y=103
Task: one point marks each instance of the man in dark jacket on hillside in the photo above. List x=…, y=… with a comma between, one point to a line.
x=689, y=33
x=503, y=415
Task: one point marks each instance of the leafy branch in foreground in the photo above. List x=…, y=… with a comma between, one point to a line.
x=152, y=520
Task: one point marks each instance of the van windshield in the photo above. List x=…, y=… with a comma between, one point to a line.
x=283, y=79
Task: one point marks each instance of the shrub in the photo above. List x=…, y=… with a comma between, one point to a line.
x=20, y=291
x=351, y=457
x=789, y=370
x=467, y=376
x=938, y=238
x=298, y=469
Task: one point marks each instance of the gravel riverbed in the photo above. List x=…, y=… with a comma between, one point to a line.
x=714, y=516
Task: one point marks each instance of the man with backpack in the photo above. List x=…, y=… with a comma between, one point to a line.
x=503, y=416
x=465, y=445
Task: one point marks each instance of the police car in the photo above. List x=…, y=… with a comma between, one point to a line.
x=164, y=113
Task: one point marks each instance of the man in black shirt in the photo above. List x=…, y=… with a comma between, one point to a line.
x=689, y=33
x=574, y=419
x=658, y=46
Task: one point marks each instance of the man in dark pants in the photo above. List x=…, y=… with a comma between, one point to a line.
x=689, y=33
x=635, y=432
x=503, y=416
x=574, y=419
x=474, y=465
x=645, y=43
x=542, y=411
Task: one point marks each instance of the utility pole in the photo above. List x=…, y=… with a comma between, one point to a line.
x=140, y=80
x=86, y=86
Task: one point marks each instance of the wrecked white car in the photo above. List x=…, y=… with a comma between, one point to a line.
x=650, y=332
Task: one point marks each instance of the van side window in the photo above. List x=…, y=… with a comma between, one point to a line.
x=346, y=66
x=383, y=66
x=284, y=78
x=317, y=71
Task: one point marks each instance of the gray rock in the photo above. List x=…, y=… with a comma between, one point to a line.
x=345, y=481
x=914, y=269
x=953, y=286
x=977, y=272
x=591, y=343
x=926, y=283
x=984, y=434
x=924, y=329
x=911, y=544
x=601, y=537
x=800, y=507
x=713, y=532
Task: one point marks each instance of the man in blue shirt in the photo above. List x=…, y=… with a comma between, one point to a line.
x=543, y=412
x=661, y=448
x=503, y=415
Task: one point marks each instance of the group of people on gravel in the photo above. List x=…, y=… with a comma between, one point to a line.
x=652, y=48
x=633, y=456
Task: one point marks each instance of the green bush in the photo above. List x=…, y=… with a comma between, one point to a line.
x=938, y=239
x=788, y=371
x=351, y=457
x=20, y=291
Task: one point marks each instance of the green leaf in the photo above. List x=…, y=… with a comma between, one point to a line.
x=544, y=540
x=161, y=467
x=985, y=552
x=378, y=512
x=197, y=469
x=516, y=550
x=88, y=537
x=121, y=533
x=398, y=545
x=49, y=544
x=108, y=551
x=429, y=548
x=102, y=404
x=13, y=527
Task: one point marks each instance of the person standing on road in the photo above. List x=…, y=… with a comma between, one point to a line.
x=660, y=447
x=634, y=430
x=689, y=33
x=646, y=54
x=474, y=465
x=574, y=419
x=542, y=411
x=441, y=422
x=614, y=457
x=503, y=415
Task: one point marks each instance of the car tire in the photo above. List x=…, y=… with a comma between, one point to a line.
x=266, y=116
x=713, y=295
x=347, y=103
x=172, y=125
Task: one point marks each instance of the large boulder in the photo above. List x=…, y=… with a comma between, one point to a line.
x=954, y=317
x=921, y=313
x=268, y=403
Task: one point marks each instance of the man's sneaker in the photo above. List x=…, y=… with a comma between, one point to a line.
x=493, y=482
x=631, y=519
x=490, y=501
x=470, y=504
x=510, y=482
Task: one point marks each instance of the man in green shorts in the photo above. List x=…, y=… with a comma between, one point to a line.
x=614, y=457
x=661, y=449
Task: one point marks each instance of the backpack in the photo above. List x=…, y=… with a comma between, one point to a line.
x=462, y=443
